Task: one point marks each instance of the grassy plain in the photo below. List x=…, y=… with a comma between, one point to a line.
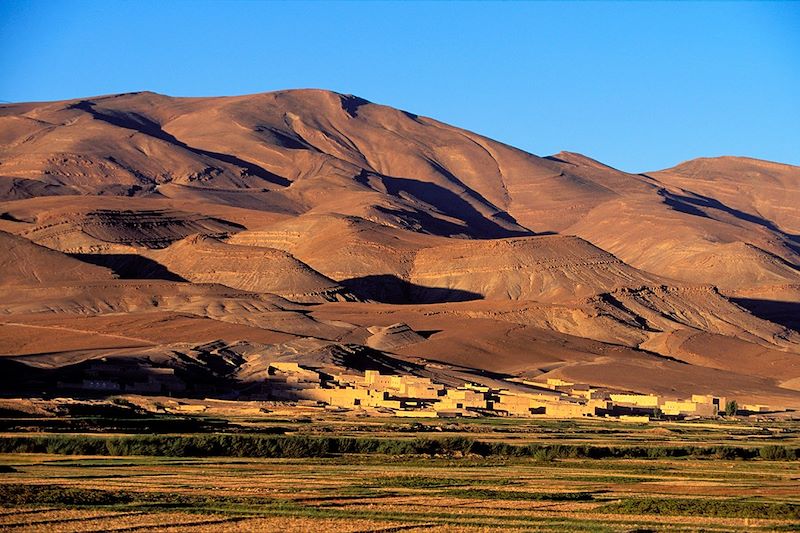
x=439, y=489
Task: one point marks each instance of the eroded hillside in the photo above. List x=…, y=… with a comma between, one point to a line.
x=208, y=234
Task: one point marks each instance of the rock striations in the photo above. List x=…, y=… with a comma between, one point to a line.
x=311, y=224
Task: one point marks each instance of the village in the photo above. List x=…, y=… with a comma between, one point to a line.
x=414, y=396
x=407, y=395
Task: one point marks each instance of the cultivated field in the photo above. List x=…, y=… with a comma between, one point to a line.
x=369, y=493
x=476, y=476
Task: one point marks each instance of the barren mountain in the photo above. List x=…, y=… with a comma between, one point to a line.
x=227, y=230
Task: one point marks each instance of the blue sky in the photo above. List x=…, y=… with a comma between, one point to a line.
x=639, y=86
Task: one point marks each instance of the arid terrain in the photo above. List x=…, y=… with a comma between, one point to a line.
x=214, y=235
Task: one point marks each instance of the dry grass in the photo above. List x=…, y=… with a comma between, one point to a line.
x=363, y=493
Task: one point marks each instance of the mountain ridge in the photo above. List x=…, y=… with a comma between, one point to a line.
x=314, y=199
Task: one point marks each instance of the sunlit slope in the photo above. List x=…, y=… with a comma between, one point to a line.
x=25, y=263
x=256, y=269
x=145, y=225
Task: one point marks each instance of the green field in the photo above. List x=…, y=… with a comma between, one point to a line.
x=367, y=493
x=390, y=475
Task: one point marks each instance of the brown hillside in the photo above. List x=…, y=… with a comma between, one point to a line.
x=228, y=230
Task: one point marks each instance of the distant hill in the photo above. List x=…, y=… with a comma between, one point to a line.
x=147, y=226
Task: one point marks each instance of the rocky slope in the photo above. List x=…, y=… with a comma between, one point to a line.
x=203, y=259
x=138, y=223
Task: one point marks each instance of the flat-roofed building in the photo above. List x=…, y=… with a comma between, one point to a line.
x=600, y=406
x=101, y=385
x=754, y=408
x=348, y=379
x=374, y=380
x=517, y=404
x=636, y=400
x=462, y=398
x=717, y=401
x=552, y=383
x=565, y=409
x=687, y=407
x=417, y=387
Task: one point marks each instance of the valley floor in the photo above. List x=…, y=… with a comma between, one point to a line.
x=674, y=477
x=414, y=494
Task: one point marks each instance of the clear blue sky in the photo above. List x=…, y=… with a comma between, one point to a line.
x=639, y=86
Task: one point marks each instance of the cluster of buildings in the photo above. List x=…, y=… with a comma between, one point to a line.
x=413, y=396
x=124, y=376
x=408, y=395
x=702, y=405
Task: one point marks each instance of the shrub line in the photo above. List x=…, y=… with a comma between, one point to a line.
x=299, y=446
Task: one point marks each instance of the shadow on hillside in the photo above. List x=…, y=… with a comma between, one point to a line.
x=691, y=206
x=386, y=288
x=205, y=371
x=451, y=205
x=558, y=160
x=351, y=103
x=130, y=266
x=786, y=314
x=190, y=373
x=428, y=333
x=142, y=124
